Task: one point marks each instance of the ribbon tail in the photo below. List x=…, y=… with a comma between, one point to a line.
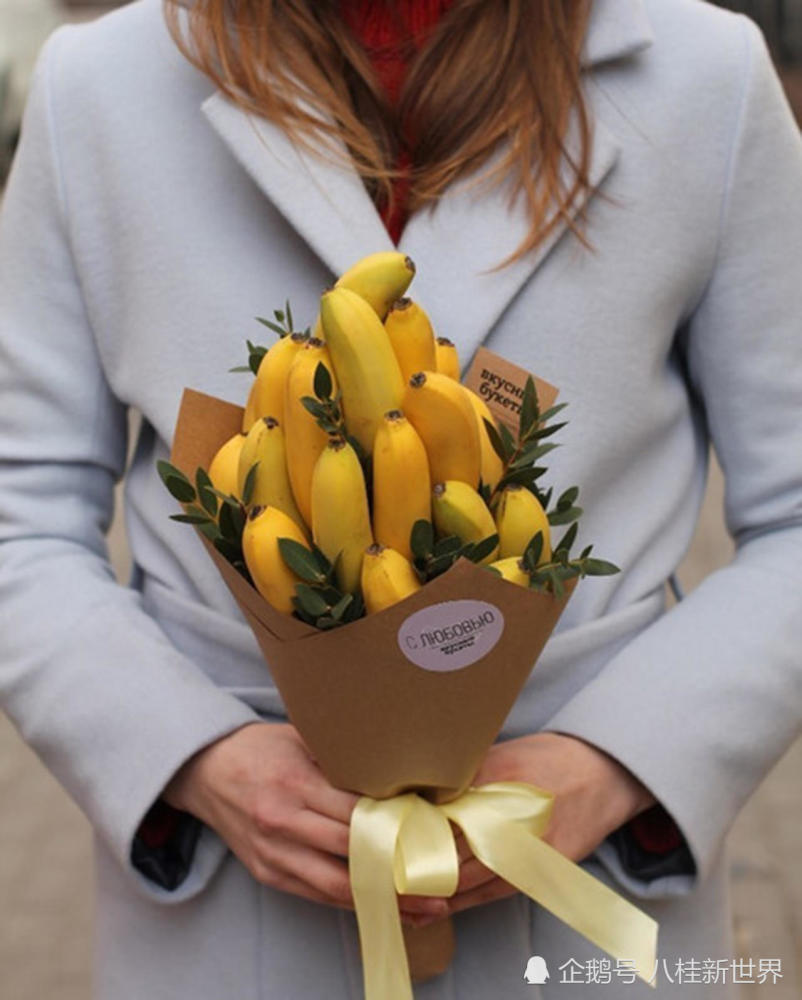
x=560, y=886
x=372, y=845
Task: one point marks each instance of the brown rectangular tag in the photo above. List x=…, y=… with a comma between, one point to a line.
x=501, y=385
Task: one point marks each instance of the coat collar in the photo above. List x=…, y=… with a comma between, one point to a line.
x=454, y=245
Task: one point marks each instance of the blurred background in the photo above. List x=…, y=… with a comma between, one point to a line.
x=45, y=841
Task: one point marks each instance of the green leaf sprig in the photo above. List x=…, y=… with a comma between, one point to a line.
x=519, y=455
x=281, y=324
x=550, y=577
x=318, y=601
x=431, y=558
x=220, y=517
x=327, y=411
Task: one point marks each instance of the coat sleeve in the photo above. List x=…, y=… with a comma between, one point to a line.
x=701, y=704
x=89, y=679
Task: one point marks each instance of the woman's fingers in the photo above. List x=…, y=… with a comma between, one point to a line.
x=487, y=892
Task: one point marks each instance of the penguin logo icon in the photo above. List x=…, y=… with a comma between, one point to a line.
x=537, y=971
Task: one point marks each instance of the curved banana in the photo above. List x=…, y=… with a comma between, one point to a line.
x=274, y=580
x=340, y=515
x=491, y=465
x=387, y=578
x=367, y=369
x=224, y=465
x=266, y=448
x=410, y=332
x=446, y=358
x=266, y=398
x=512, y=569
x=519, y=516
x=402, y=485
x=441, y=412
x=379, y=279
x=458, y=510
x=304, y=439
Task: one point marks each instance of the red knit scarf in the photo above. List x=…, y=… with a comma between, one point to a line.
x=389, y=33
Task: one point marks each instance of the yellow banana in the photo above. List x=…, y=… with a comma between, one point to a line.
x=340, y=515
x=412, y=337
x=387, y=578
x=512, y=569
x=266, y=448
x=519, y=516
x=304, y=439
x=224, y=465
x=367, y=369
x=447, y=361
x=491, y=465
x=266, y=398
x=441, y=412
x=401, y=483
x=274, y=580
x=379, y=279
x=459, y=510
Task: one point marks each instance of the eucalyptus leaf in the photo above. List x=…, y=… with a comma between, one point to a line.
x=322, y=382
x=586, y=552
x=529, y=409
x=241, y=368
x=288, y=311
x=484, y=548
x=190, y=518
x=451, y=543
x=227, y=522
x=495, y=440
x=339, y=609
x=168, y=471
x=568, y=498
x=250, y=484
x=600, y=567
x=532, y=454
x=238, y=517
x=300, y=560
x=533, y=551
x=209, y=530
x=272, y=326
x=551, y=412
x=440, y=565
x=232, y=552
x=421, y=539
x=568, y=539
x=508, y=440
x=310, y=600
x=557, y=517
x=182, y=489
x=323, y=562
x=523, y=477
x=543, y=432
x=315, y=407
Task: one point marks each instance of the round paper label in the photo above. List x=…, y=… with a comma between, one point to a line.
x=451, y=635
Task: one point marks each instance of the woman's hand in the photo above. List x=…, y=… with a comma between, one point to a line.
x=262, y=792
x=594, y=795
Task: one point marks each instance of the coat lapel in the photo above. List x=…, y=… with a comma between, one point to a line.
x=455, y=245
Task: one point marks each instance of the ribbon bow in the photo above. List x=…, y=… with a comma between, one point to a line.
x=405, y=844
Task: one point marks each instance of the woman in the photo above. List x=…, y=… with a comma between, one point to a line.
x=638, y=252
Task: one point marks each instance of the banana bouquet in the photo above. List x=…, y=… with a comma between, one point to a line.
x=383, y=529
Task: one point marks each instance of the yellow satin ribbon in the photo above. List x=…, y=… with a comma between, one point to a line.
x=405, y=844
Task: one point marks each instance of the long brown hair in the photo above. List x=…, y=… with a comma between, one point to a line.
x=493, y=75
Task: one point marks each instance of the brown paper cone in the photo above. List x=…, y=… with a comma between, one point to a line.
x=409, y=699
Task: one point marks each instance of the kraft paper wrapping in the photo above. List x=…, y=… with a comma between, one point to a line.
x=408, y=700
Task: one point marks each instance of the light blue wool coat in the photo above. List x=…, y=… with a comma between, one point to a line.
x=146, y=222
